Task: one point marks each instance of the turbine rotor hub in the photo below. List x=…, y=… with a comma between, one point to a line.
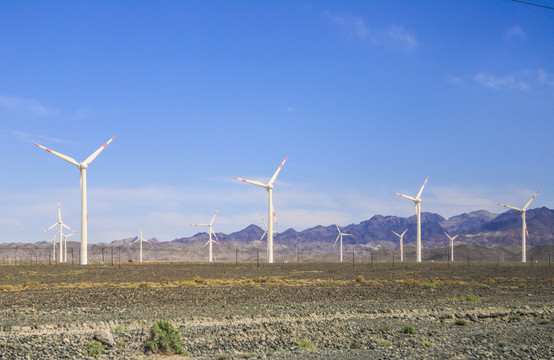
x=83, y=165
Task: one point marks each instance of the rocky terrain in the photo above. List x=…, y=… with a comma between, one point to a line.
x=496, y=311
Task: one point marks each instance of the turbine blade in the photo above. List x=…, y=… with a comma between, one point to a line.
x=265, y=225
x=421, y=190
x=199, y=224
x=454, y=238
x=251, y=182
x=45, y=231
x=529, y=202
x=263, y=235
x=343, y=234
x=406, y=196
x=213, y=218
x=395, y=233
x=404, y=232
x=68, y=228
x=95, y=154
x=214, y=234
x=274, y=216
x=510, y=207
x=62, y=156
x=338, y=236
x=338, y=229
x=277, y=172
x=206, y=244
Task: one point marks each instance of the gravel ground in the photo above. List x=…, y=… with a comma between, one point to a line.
x=512, y=317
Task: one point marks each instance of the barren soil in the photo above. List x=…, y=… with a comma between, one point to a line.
x=245, y=311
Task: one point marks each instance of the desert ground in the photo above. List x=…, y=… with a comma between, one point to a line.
x=324, y=310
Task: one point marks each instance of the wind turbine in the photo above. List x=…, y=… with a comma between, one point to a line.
x=417, y=202
x=83, y=176
x=523, y=226
x=140, y=239
x=451, y=245
x=65, y=244
x=264, y=234
x=210, y=232
x=341, y=234
x=271, y=212
x=60, y=230
x=401, y=236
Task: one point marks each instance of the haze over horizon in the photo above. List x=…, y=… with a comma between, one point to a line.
x=365, y=98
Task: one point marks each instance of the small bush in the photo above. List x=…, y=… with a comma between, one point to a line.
x=164, y=338
x=429, y=286
x=384, y=328
x=460, y=322
x=117, y=328
x=515, y=317
x=305, y=344
x=360, y=279
x=145, y=285
x=502, y=343
x=426, y=343
x=382, y=342
x=199, y=280
x=471, y=298
x=93, y=348
x=544, y=321
x=408, y=329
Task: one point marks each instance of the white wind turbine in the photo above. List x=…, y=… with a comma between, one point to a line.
x=341, y=234
x=417, y=202
x=210, y=232
x=140, y=239
x=401, y=236
x=65, y=236
x=451, y=245
x=83, y=176
x=60, y=230
x=271, y=212
x=264, y=234
x=523, y=226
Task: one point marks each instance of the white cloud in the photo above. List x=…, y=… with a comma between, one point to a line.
x=32, y=137
x=355, y=27
x=515, y=33
x=28, y=107
x=507, y=82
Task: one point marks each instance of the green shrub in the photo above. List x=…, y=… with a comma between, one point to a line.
x=118, y=328
x=515, y=317
x=470, y=297
x=384, y=328
x=544, y=321
x=305, y=344
x=93, y=348
x=382, y=342
x=460, y=322
x=164, y=338
x=502, y=343
x=429, y=286
x=360, y=279
x=426, y=343
x=407, y=329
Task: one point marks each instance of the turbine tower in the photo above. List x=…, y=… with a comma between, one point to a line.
x=264, y=234
x=523, y=226
x=271, y=212
x=401, y=236
x=65, y=245
x=210, y=232
x=417, y=202
x=60, y=230
x=83, y=176
x=140, y=239
x=451, y=245
x=341, y=234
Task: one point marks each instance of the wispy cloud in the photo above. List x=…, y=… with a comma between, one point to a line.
x=28, y=107
x=515, y=33
x=454, y=80
x=508, y=82
x=355, y=27
x=33, y=137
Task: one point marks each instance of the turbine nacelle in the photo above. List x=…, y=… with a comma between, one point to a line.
x=83, y=165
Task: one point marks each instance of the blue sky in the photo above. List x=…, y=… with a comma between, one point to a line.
x=365, y=98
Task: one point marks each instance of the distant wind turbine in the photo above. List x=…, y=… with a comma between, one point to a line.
x=341, y=234
x=210, y=232
x=140, y=239
x=523, y=226
x=60, y=230
x=271, y=212
x=65, y=236
x=417, y=202
x=451, y=245
x=83, y=176
x=401, y=236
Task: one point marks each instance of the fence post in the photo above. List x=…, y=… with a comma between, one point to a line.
x=257, y=258
x=468, y=260
x=372, y=259
x=120, y=254
x=352, y=258
x=112, y=254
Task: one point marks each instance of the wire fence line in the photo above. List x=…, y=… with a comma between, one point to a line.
x=121, y=253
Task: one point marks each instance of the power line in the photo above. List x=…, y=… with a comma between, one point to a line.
x=528, y=3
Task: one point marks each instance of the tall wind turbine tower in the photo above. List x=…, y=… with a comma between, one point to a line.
x=83, y=176
x=417, y=202
x=140, y=239
x=271, y=212
x=341, y=234
x=401, y=236
x=523, y=226
x=210, y=232
x=451, y=245
x=60, y=230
